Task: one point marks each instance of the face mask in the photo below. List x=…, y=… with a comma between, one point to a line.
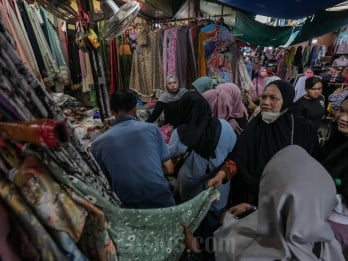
x=269, y=117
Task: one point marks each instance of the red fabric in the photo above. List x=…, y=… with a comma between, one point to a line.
x=52, y=133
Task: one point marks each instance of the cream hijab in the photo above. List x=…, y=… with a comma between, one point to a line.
x=296, y=197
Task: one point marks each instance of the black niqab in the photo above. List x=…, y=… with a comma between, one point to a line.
x=197, y=129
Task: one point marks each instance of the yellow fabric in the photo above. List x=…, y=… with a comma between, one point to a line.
x=201, y=61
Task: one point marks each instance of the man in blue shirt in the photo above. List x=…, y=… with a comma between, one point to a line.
x=135, y=156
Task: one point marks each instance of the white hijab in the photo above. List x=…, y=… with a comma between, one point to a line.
x=296, y=197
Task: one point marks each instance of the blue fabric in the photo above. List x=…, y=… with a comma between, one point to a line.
x=192, y=177
x=132, y=153
x=211, y=27
x=282, y=9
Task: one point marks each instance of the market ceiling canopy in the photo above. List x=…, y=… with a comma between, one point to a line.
x=282, y=9
x=250, y=31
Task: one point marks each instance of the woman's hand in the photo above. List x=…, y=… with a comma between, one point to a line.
x=190, y=240
x=239, y=209
x=217, y=180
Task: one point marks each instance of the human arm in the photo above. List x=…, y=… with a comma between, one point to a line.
x=191, y=242
x=156, y=112
x=168, y=167
x=239, y=209
x=227, y=171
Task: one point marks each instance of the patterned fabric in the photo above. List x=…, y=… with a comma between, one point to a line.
x=63, y=212
x=38, y=234
x=30, y=99
x=337, y=98
x=172, y=52
x=155, y=39
x=141, y=74
x=13, y=21
x=48, y=199
x=151, y=234
x=95, y=241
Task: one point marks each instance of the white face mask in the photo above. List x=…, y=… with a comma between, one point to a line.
x=270, y=117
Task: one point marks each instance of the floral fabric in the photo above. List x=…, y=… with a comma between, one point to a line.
x=22, y=93
x=151, y=234
x=39, y=235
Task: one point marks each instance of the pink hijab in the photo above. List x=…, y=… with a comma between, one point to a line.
x=226, y=103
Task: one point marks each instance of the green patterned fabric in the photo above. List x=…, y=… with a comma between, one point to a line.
x=149, y=234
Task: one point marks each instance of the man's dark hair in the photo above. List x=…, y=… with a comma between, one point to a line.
x=311, y=81
x=123, y=100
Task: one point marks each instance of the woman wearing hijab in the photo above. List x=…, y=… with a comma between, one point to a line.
x=295, y=201
x=167, y=102
x=273, y=129
x=207, y=142
x=333, y=157
x=226, y=103
x=259, y=84
x=253, y=108
x=203, y=84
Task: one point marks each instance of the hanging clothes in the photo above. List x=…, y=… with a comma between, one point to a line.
x=30, y=100
x=341, y=42
x=16, y=25
x=141, y=79
x=216, y=53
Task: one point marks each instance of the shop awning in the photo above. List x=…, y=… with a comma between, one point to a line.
x=282, y=9
x=322, y=23
x=248, y=30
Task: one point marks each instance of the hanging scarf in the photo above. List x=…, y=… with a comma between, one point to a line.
x=197, y=128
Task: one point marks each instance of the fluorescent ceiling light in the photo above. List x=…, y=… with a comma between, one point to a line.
x=340, y=7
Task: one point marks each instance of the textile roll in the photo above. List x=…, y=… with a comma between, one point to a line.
x=43, y=132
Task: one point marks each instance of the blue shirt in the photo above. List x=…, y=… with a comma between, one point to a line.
x=132, y=153
x=192, y=177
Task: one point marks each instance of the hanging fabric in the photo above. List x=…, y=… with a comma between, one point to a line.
x=25, y=98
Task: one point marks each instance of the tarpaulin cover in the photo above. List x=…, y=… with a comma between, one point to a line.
x=248, y=30
x=281, y=8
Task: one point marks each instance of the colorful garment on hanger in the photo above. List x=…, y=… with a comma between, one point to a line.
x=219, y=54
x=12, y=17
x=341, y=42
x=146, y=64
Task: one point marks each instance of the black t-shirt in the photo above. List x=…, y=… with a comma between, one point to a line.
x=170, y=111
x=311, y=109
